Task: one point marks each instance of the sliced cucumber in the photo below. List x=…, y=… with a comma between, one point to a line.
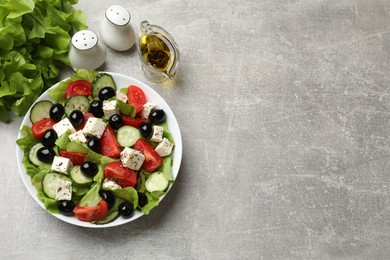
x=40, y=111
x=100, y=81
x=32, y=155
x=49, y=183
x=78, y=176
x=127, y=136
x=107, y=219
x=77, y=102
x=156, y=182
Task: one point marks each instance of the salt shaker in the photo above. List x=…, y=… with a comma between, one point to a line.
x=116, y=30
x=85, y=51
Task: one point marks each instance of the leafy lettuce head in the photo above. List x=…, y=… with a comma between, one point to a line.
x=34, y=42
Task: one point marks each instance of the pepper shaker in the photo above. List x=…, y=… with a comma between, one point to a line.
x=85, y=51
x=116, y=30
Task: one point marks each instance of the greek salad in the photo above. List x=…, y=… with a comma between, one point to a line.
x=99, y=151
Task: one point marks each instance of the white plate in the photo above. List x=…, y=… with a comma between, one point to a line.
x=121, y=81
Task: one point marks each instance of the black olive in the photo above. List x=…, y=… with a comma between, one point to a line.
x=108, y=197
x=115, y=121
x=56, y=112
x=49, y=137
x=106, y=93
x=45, y=154
x=76, y=118
x=157, y=116
x=89, y=168
x=94, y=144
x=142, y=199
x=126, y=209
x=66, y=207
x=96, y=108
x=146, y=129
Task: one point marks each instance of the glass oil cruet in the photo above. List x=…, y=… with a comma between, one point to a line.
x=159, y=53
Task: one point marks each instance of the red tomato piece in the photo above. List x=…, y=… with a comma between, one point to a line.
x=135, y=122
x=39, y=127
x=152, y=159
x=79, y=87
x=75, y=157
x=136, y=97
x=89, y=214
x=122, y=175
x=109, y=146
x=86, y=115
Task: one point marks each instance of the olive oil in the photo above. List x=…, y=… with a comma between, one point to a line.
x=156, y=52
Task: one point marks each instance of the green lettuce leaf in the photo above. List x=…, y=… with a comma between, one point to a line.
x=50, y=204
x=166, y=168
x=126, y=109
x=63, y=141
x=152, y=202
x=34, y=42
x=92, y=197
x=128, y=194
x=25, y=143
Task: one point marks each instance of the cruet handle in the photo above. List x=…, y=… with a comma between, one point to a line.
x=146, y=27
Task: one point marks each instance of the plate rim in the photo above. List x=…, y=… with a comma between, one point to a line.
x=171, y=121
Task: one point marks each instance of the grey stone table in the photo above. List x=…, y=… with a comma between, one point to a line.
x=284, y=108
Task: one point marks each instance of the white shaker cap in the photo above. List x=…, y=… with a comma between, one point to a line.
x=118, y=15
x=84, y=40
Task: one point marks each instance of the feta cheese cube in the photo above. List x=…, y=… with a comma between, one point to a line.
x=63, y=190
x=132, y=159
x=110, y=108
x=94, y=127
x=63, y=126
x=148, y=107
x=157, y=134
x=78, y=136
x=61, y=165
x=109, y=184
x=121, y=96
x=164, y=148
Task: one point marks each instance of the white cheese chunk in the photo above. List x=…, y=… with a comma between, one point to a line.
x=61, y=165
x=148, y=107
x=164, y=148
x=63, y=126
x=157, y=134
x=121, y=96
x=109, y=184
x=132, y=159
x=78, y=136
x=94, y=127
x=63, y=190
x=110, y=108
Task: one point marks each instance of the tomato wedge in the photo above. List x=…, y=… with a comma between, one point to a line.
x=152, y=159
x=109, y=145
x=132, y=121
x=75, y=157
x=136, y=97
x=122, y=175
x=39, y=127
x=79, y=87
x=89, y=214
